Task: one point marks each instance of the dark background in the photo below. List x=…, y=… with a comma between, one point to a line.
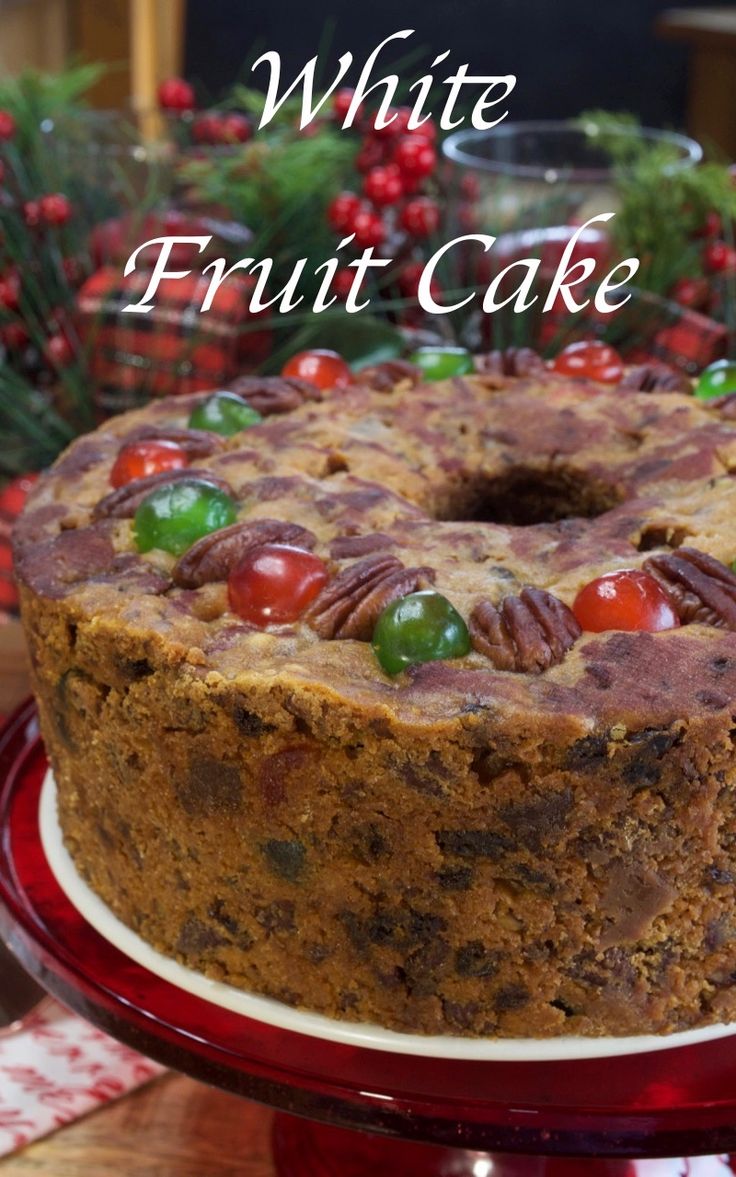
x=568, y=56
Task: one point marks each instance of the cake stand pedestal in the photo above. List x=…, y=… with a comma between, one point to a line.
x=366, y=1112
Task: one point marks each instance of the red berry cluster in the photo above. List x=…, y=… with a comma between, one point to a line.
x=211, y=128
x=395, y=163
x=717, y=259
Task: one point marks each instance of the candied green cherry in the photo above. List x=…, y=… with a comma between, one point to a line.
x=173, y=516
x=718, y=379
x=225, y=413
x=439, y=363
x=419, y=628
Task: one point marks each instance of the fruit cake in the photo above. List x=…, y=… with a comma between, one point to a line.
x=409, y=702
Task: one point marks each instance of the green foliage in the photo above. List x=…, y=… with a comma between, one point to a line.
x=661, y=208
x=279, y=185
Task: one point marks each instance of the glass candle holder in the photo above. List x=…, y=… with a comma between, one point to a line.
x=535, y=174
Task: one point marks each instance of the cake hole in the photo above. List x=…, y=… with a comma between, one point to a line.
x=524, y=496
x=664, y=536
x=336, y=464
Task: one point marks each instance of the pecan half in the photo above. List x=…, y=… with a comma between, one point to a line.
x=511, y=361
x=655, y=378
x=700, y=588
x=213, y=556
x=726, y=405
x=349, y=606
x=125, y=501
x=197, y=443
x=269, y=395
x=344, y=547
x=385, y=376
x=526, y=634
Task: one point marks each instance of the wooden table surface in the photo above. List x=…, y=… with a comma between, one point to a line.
x=173, y=1127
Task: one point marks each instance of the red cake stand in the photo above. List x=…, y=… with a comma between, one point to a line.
x=417, y=1117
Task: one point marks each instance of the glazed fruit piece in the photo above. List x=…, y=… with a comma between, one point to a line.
x=225, y=413
x=274, y=584
x=172, y=517
x=628, y=600
x=141, y=458
x=439, y=363
x=421, y=627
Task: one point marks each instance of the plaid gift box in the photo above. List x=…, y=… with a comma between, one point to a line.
x=12, y=500
x=174, y=348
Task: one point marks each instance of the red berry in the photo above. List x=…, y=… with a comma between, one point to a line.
x=409, y=278
x=342, y=210
x=409, y=286
x=206, y=129
x=383, y=185
x=712, y=226
x=420, y=216
x=342, y=283
x=7, y=125
x=14, y=336
x=691, y=292
x=234, y=128
x=718, y=256
x=323, y=368
x=341, y=105
x=590, y=360
x=58, y=351
x=54, y=209
x=72, y=270
x=427, y=130
x=274, y=584
x=10, y=290
x=629, y=599
x=398, y=126
x=470, y=186
x=369, y=229
x=139, y=459
x=32, y=213
x=175, y=94
x=415, y=155
x=370, y=155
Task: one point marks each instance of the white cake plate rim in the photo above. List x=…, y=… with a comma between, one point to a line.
x=285, y=1017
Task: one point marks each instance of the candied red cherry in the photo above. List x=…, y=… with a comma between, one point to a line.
x=274, y=584
x=341, y=211
x=55, y=209
x=415, y=155
x=7, y=126
x=369, y=229
x=175, y=94
x=420, y=216
x=383, y=185
x=629, y=599
x=321, y=367
x=139, y=459
x=590, y=360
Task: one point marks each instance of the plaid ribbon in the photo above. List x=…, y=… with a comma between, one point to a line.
x=174, y=349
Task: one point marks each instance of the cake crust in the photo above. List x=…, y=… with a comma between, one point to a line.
x=459, y=850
